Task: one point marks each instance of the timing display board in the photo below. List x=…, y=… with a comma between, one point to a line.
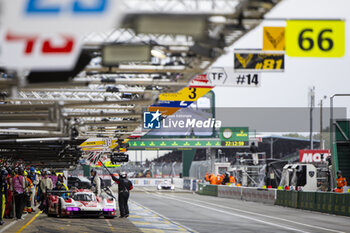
x=184, y=143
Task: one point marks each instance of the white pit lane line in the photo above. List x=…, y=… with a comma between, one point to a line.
x=265, y=216
x=162, y=216
x=230, y=213
x=11, y=224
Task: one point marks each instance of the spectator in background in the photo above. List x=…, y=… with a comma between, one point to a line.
x=232, y=179
x=207, y=177
x=19, y=187
x=28, y=192
x=254, y=150
x=219, y=179
x=341, y=182
x=39, y=194
x=34, y=177
x=226, y=179
x=59, y=187
x=45, y=185
x=9, y=203
x=54, y=178
x=96, y=183
x=61, y=178
x=212, y=179
x=3, y=193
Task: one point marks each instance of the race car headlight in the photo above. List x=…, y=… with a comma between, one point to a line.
x=73, y=209
x=108, y=209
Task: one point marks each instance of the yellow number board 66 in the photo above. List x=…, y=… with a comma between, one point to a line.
x=315, y=38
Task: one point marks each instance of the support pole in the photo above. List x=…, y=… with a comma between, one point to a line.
x=187, y=158
x=212, y=160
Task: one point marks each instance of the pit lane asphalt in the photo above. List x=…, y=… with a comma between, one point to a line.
x=188, y=211
x=213, y=214
x=42, y=223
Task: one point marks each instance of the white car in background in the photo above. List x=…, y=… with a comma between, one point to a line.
x=166, y=185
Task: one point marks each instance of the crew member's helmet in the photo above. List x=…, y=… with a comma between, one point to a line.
x=123, y=175
x=4, y=172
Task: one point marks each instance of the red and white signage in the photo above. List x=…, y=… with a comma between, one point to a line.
x=39, y=51
x=47, y=34
x=42, y=16
x=313, y=156
x=200, y=80
x=226, y=77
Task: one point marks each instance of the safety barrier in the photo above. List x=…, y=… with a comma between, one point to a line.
x=207, y=189
x=190, y=184
x=248, y=194
x=178, y=182
x=147, y=181
x=230, y=192
x=332, y=203
x=187, y=184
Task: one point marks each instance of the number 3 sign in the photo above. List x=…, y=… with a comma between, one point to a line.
x=315, y=38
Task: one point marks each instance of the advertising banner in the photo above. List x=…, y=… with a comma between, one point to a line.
x=258, y=61
x=313, y=156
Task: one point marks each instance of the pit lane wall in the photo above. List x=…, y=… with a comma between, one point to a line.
x=147, y=181
x=326, y=202
x=190, y=184
x=267, y=196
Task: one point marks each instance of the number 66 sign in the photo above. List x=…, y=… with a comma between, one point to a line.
x=315, y=38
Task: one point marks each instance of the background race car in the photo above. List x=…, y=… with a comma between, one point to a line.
x=166, y=185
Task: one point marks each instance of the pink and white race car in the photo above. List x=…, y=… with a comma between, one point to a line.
x=81, y=202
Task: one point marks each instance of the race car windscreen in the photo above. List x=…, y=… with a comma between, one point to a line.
x=84, y=197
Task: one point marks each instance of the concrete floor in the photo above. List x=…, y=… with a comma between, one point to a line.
x=179, y=211
x=213, y=214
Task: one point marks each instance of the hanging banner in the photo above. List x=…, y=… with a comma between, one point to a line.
x=313, y=156
x=47, y=34
x=43, y=16
x=227, y=77
x=101, y=144
x=186, y=94
x=258, y=61
x=35, y=51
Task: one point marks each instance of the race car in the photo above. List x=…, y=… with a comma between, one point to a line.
x=165, y=185
x=82, y=202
